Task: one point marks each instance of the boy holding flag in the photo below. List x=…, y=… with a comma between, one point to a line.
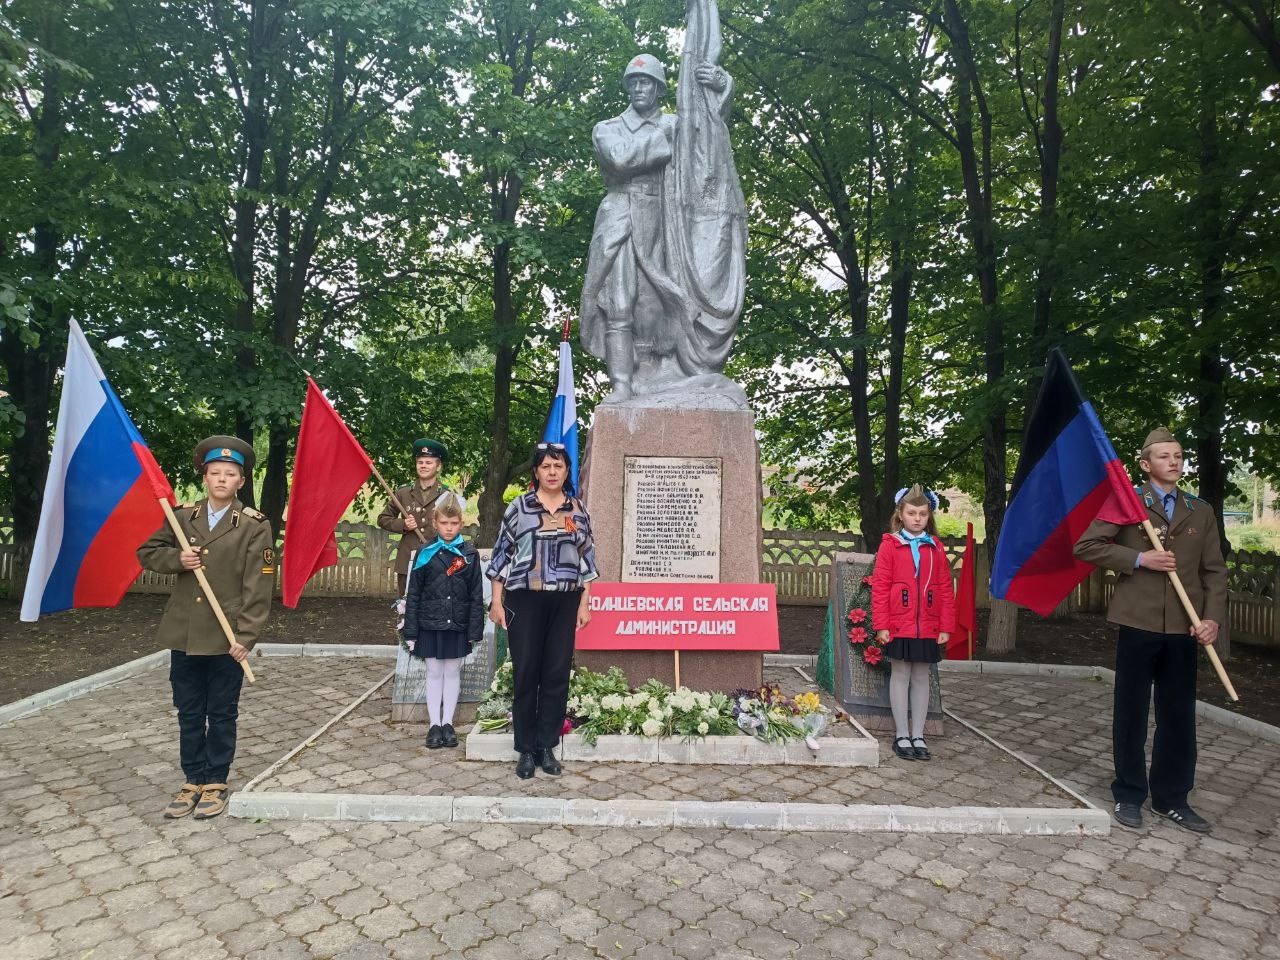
x=1157, y=642
x=234, y=545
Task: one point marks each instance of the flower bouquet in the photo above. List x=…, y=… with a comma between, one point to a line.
x=771, y=716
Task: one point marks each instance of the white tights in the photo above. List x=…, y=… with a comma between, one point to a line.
x=444, y=679
x=912, y=678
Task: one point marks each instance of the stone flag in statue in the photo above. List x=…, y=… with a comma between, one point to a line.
x=667, y=267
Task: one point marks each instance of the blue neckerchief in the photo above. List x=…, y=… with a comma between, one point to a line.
x=914, y=544
x=431, y=549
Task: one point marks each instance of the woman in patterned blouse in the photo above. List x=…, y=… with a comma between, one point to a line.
x=542, y=564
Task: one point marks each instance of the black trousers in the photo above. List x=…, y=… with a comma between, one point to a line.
x=206, y=691
x=540, y=632
x=1166, y=661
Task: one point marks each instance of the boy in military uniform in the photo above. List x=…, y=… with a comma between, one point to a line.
x=419, y=502
x=235, y=546
x=1157, y=644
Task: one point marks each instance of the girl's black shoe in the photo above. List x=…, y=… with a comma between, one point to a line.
x=447, y=737
x=921, y=751
x=902, y=747
x=435, y=738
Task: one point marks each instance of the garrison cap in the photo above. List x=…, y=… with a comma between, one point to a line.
x=645, y=64
x=223, y=450
x=1159, y=435
x=426, y=447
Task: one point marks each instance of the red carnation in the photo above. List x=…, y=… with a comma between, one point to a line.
x=867, y=581
x=857, y=615
x=872, y=654
x=858, y=635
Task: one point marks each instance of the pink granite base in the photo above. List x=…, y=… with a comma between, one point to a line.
x=633, y=431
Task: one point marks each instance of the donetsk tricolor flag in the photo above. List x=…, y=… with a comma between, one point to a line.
x=101, y=498
x=1068, y=476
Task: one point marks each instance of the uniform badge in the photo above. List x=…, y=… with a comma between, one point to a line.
x=268, y=560
x=1191, y=531
x=458, y=564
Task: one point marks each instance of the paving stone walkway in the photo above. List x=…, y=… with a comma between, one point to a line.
x=88, y=868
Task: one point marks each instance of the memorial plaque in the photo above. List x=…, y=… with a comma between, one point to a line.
x=671, y=519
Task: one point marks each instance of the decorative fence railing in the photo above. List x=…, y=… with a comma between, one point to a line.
x=797, y=561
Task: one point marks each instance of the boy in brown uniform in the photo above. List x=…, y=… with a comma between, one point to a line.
x=235, y=546
x=1157, y=644
x=419, y=501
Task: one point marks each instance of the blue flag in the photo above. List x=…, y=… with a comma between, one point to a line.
x=562, y=422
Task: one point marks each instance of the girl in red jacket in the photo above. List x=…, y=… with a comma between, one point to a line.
x=913, y=609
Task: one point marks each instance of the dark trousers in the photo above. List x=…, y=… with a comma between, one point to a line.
x=540, y=632
x=1167, y=661
x=206, y=691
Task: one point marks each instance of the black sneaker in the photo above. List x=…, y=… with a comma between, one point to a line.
x=1129, y=815
x=1183, y=817
x=435, y=738
x=447, y=737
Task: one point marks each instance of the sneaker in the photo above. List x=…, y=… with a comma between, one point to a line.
x=1129, y=815
x=213, y=800
x=1184, y=817
x=448, y=738
x=184, y=802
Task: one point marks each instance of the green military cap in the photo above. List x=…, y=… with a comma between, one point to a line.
x=426, y=447
x=1159, y=435
x=223, y=450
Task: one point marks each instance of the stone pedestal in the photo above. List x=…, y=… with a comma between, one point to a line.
x=716, y=441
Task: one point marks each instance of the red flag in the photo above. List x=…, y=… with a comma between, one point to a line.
x=329, y=469
x=965, y=637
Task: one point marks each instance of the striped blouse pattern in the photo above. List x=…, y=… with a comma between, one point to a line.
x=538, y=550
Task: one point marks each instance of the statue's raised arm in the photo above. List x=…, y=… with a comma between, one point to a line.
x=667, y=266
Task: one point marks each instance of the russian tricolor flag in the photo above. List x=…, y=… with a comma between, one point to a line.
x=562, y=423
x=101, y=499
x=1068, y=476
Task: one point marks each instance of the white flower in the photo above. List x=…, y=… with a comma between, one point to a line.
x=703, y=699
x=703, y=728
x=651, y=727
x=655, y=708
x=711, y=713
x=611, y=701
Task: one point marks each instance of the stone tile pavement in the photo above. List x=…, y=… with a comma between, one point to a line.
x=88, y=869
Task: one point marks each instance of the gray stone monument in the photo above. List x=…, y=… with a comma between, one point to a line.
x=863, y=690
x=667, y=266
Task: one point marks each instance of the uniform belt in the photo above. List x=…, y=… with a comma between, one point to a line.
x=649, y=188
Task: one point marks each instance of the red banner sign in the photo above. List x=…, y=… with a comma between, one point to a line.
x=681, y=616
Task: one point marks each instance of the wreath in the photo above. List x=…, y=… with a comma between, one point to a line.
x=862, y=632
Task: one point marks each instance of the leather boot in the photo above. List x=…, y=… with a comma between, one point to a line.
x=526, y=765
x=548, y=762
x=620, y=358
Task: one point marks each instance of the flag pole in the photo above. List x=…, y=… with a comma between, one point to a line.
x=676, y=653
x=204, y=584
x=422, y=537
x=1191, y=612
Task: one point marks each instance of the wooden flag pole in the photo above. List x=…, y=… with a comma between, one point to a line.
x=676, y=653
x=204, y=585
x=422, y=537
x=1158, y=544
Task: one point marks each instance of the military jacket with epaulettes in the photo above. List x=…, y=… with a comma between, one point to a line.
x=422, y=504
x=1146, y=599
x=240, y=564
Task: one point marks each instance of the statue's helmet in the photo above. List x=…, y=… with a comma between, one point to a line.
x=645, y=64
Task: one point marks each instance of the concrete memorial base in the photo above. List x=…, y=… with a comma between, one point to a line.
x=624, y=440
x=737, y=750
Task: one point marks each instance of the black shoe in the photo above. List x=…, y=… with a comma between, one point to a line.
x=547, y=760
x=1183, y=817
x=902, y=747
x=447, y=737
x=920, y=749
x=526, y=765
x=1128, y=815
x=435, y=738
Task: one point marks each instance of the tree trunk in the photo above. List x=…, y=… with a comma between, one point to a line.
x=499, y=462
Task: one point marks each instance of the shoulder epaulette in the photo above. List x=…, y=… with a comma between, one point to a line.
x=254, y=514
